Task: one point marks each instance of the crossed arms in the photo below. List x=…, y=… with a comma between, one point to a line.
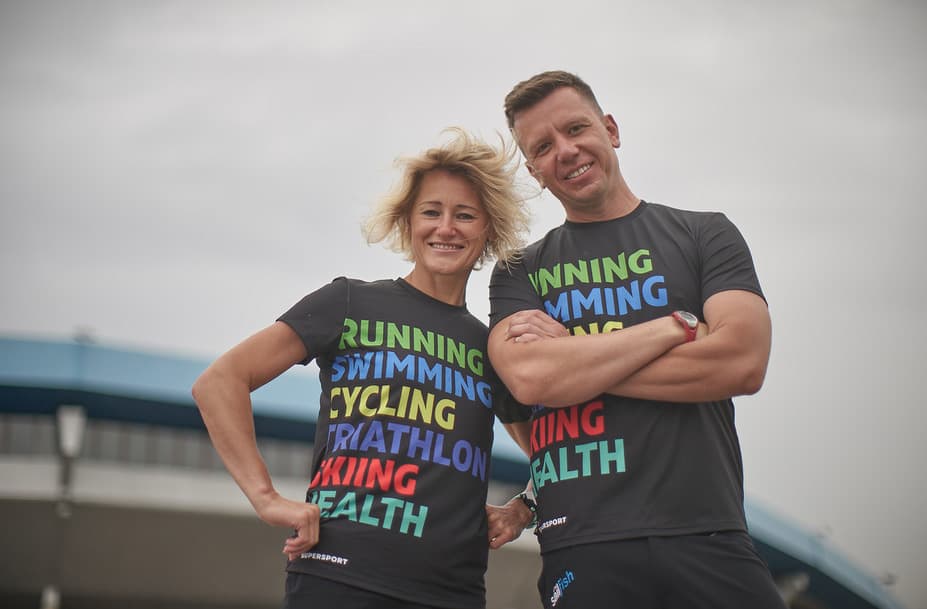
x=541, y=363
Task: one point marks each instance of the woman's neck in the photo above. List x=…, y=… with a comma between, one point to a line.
x=451, y=289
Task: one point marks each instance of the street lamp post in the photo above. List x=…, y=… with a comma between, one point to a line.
x=71, y=423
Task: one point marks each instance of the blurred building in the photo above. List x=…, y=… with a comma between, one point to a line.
x=112, y=496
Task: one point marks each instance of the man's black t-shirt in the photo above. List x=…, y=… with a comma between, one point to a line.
x=615, y=467
x=402, y=448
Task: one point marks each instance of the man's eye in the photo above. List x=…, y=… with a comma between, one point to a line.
x=539, y=150
x=576, y=129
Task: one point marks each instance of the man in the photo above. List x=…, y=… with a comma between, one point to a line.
x=634, y=454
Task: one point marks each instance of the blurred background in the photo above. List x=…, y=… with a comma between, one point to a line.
x=175, y=175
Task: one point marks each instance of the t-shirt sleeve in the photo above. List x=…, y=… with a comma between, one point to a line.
x=510, y=291
x=728, y=264
x=318, y=319
x=508, y=409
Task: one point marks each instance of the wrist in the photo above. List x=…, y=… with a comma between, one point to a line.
x=689, y=323
x=532, y=506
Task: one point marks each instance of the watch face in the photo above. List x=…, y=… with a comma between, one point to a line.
x=689, y=318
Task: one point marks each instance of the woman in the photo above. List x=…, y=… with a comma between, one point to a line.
x=394, y=515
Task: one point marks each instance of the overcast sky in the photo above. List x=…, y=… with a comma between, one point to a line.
x=174, y=175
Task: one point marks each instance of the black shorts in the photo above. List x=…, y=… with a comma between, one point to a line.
x=311, y=592
x=710, y=571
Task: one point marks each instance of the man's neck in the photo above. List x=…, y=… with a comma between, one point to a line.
x=616, y=207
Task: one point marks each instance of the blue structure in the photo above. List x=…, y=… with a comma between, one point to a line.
x=36, y=377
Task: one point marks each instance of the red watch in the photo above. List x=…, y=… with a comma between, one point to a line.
x=689, y=323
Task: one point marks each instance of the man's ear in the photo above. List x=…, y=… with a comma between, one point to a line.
x=612, y=127
x=535, y=174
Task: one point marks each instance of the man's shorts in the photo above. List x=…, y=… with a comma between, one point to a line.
x=311, y=592
x=708, y=571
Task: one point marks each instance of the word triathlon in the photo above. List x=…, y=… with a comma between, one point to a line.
x=405, y=441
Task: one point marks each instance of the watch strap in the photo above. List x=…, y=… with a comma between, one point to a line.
x=685, y=320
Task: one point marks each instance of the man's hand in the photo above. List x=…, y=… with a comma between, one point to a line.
x=531, y=325
x=507, y=522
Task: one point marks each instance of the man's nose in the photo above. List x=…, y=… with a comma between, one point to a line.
x=566, y=148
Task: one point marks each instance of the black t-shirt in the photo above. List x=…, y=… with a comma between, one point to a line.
x=402, y=448
x=615, y=467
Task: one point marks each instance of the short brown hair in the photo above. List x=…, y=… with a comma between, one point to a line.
x=529, y=92
x=489, y=170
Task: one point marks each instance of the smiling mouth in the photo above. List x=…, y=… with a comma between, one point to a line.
x=578, y=172
x=445, y=246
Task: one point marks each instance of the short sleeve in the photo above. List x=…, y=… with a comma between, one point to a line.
x=728, y=264
x=508, y=409
x=318, y=319
x=510, y=291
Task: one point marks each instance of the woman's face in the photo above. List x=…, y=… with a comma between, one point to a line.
x=448, y=225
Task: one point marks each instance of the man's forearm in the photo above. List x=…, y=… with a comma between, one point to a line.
x=567, y=370
x=730, y=361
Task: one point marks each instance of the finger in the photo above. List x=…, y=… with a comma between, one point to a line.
x=305, y=539
x=500, y=540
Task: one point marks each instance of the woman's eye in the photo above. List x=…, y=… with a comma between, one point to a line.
x=466, y=217
x=431, y=213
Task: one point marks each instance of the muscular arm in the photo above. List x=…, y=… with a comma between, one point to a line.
x=566, y=370
x=223, y=395
x=731, y=360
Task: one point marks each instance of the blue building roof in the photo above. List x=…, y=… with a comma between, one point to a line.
x=37, y=376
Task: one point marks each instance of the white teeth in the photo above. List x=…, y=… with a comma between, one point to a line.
x=445, y=246
x=579, y=171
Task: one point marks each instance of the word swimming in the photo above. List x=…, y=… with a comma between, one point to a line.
x=379, y=365
x=611, y=300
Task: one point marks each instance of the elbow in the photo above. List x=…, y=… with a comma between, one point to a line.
x=202, y=386
x=526, y=385
x=752, y=378
x=524, y=390
x=199, y=388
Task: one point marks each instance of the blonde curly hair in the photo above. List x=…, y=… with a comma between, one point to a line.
x=491, y=173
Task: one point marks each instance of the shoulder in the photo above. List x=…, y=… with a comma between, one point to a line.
x=365, y=287
x=531, y=253
x=691, y=220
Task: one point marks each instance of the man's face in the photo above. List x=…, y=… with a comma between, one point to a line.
x=569, y=146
